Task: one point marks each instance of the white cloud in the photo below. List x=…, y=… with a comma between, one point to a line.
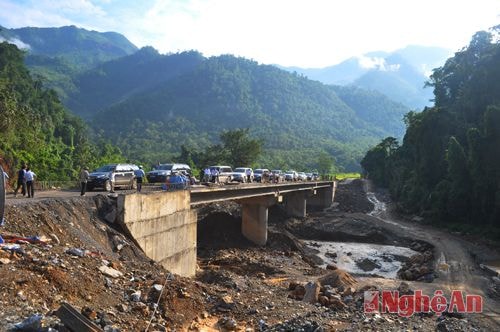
x=307, y=33
x=376, y=63
x=17, y=42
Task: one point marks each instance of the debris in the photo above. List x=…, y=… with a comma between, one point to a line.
x=110, y=272
x=33, y=323
x=75, y=321
x=312, y=292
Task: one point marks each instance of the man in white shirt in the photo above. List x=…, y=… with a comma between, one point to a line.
x=30, y=179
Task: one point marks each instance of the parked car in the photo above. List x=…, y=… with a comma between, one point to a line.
x=123, y=174
x=260, y=173
x=309, y=176
x=162, y=171
x=316, y=176
x=240, y=174
x=302, y=176
x=225, y=173
x=291, y=176
x=277, y=175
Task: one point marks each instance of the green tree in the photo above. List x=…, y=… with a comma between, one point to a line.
x=241, y=150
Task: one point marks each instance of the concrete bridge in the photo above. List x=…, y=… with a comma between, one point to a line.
x=164, y=224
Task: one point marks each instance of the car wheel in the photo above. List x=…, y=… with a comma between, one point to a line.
x=107, y=185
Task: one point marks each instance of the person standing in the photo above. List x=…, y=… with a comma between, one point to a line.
x=248, y=173
x=139, y=175
x=21, y=181
x=30, y=179
x=84, y=177
x=112, y=180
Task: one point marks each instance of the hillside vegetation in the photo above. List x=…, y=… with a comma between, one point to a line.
x=151, y=105
x=297, y=119
x=36, y=128
x=448, y=167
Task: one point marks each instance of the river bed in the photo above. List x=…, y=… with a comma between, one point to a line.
x=363, y=259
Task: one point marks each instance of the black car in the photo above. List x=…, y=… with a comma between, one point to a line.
x=123, y=174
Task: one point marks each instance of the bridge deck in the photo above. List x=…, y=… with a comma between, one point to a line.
x=202, y=195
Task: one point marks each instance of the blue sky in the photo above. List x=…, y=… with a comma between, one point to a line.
x=310, y=33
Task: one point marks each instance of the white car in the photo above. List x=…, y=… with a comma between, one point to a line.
x=302, y=176
x=240, y=174
x=291, y=176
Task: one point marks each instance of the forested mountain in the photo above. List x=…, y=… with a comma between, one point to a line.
x=57, y=55
x=448, y=167
x=297, y=118
x=152, y=104
x=36, y=129
x=375, y=108
x=119, y=79
x=400, y=75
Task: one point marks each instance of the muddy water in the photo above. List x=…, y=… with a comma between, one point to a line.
x=363, y=258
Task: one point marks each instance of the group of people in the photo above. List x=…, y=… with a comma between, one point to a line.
x=210, y=175
x=25, y=181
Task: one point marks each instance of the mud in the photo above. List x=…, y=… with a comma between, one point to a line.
x=238, y=286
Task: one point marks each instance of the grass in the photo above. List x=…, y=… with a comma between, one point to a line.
x=342, y=176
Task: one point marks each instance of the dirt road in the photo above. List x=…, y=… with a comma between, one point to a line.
x=455, y=264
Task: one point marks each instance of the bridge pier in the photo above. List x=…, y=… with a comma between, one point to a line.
x=322, y=197
x=254, y=218
x=295, y=204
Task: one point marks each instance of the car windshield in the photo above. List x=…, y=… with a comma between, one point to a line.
x=258, y=171
x=290, y=172
x=276, y=171
x=240, y=170
x=106, y=168
x=166, y=167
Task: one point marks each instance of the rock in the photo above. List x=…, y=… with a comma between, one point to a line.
x=298, y=293
x=110, y=272
x=338, y=278
x=227, y=323
x=122, y=307
x=4, y=260
x=89, y=313
x=312, y=292
x=404, y=289
x=157, y=288
x=135, y=296
x=349, y=291
x=336, y=303
x=331, y=267
x=293, y=285
x=367, y=265
x=324, y=300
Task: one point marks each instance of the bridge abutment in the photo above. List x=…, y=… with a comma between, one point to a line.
x=164, y=227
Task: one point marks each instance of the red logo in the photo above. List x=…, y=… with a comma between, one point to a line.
x=407, y=305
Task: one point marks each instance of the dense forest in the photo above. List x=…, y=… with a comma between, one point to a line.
x=155, y=107
x=36, y=128
x=298, y=120
x=448, y=166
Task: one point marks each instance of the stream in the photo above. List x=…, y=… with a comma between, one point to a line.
x=365, y=259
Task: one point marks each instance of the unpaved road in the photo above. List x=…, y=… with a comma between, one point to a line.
x=455, y=264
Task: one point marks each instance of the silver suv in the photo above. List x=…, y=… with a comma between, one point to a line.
x=123, y=174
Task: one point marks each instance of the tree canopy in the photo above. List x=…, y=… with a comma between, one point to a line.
x=448, y=167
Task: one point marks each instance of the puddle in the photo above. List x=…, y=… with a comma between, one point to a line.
x=363, y=258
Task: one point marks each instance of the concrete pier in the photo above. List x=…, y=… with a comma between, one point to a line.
x=254, y=218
